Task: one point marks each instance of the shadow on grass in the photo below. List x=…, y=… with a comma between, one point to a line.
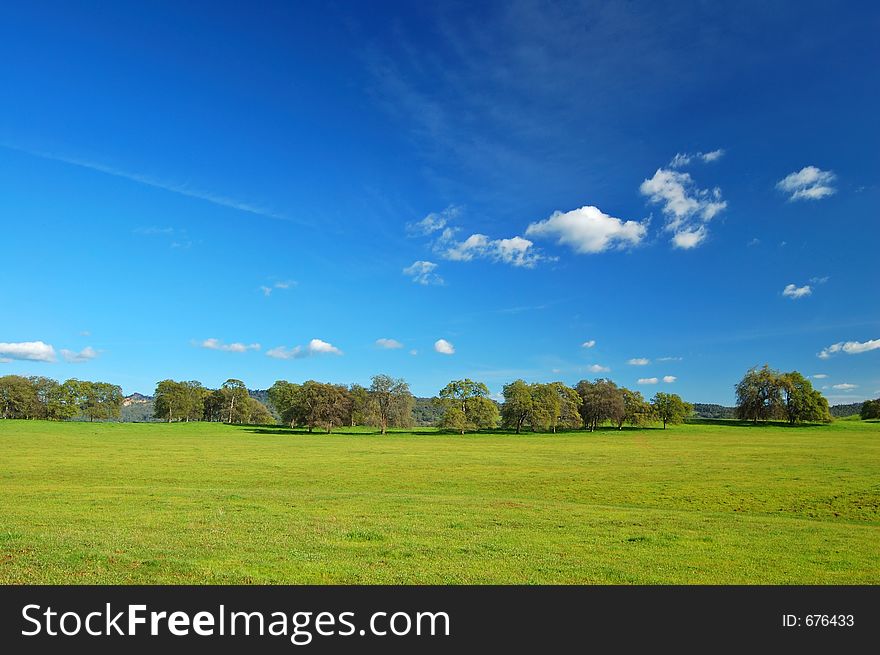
x=738, y=423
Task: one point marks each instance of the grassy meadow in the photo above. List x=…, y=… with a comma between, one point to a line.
x=711, y=502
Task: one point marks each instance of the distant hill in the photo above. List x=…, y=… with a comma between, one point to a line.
x=137, y=408
x=839, y=411
x=425, y=413
x=710, y=410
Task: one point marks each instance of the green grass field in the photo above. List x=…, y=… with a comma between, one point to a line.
x=209, y=503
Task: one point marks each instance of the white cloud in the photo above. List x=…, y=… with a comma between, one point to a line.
x=515, y=251
x=315, y=347
x=389, y=344
x=809, y=183
x=845, y=386
x=754, y=242
x=588, y=344
x=795, y=292
x=443, y=347
x=639, y=361
x=422, y=272
x=280, y=352
x=669, y=359
x=683, y=159
x=687, y=239
x=820, y=280
x=216, y=344
x=819, y=376
x=598, y=368
x=34, y=351
x=849, y=347
x=83, y=355
x=588, y=230
x=647, y=380
x=669, y=379
x=433, y=222
x=413, y=352
x=686, y=207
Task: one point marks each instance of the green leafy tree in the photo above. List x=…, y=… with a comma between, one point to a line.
x=870, y=409
x=759, y=395
x=800, y=401
x=391, y=402
x=601, y=401
x=466, y=406
x=636, y=410
x=359, y=412
x=285, y=398
x=18, y=399
x=234, y=394
x=670, y=408
x=517, y=407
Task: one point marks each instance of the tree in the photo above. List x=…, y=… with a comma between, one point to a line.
x=359, y=405
x=234, y=392
x=636, y=410
x=870, y=409
x=758, y=395
x=800, y=401
x=545, y=408
x=601, y=401
x=517, y=407
x=466, y=406
x=670, y=408
x=285, y=398
x=18, y=399
x=168, y=400
x=391, y=403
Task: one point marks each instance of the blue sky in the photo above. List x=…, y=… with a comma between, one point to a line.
x=210, y=190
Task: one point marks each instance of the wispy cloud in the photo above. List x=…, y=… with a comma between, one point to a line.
x=669, y=359
x=388, y=344
x=639, y=361
x=236, y=347
x=844, y=386
x=314, y=347
x=849, y=347
x=647, y=381
x=589, y=230
x=683, y=159
x=83, y=355
x=433, y=222
x=588, y=344
x=33, y=351
x=443, y=347
x=687, y=208
x=819, y=376
x=286, y=284
x=147, y=180
x=809, y=183
x=422, y=272
x=794, y=292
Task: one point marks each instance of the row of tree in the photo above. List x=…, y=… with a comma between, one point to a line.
x=190, y=401
x=38, y=397
x=387, y=402
x=551, y=406
x=764, y=394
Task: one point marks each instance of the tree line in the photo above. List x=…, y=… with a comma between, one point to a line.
x=465, y=405
x=38, y=397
